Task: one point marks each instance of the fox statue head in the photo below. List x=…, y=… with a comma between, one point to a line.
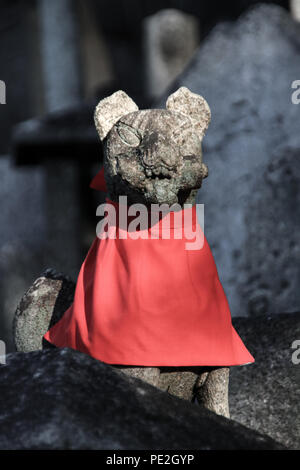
x=153, y=156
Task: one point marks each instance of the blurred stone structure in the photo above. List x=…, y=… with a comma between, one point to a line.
x=41, y=216
x=295, y=9
x=170, y=39
x=252, y=198
x=22, y=222
x=96, y=68
x=21, y=216
x=2, y=92
x=61, y=73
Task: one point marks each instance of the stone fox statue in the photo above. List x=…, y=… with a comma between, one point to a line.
x=149, y=306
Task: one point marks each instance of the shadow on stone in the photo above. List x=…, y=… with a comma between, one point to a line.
x=64, y=399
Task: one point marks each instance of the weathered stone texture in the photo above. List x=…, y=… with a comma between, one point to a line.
x=266, y=395
x=63, y=399
x=41, y=307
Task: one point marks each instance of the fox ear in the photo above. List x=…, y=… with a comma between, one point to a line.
x=110, y=110
x=190, y=104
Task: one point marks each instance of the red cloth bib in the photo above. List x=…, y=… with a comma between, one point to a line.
x=151, y=302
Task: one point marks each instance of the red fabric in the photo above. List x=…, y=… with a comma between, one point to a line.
x=98, y=182
x=151, y=302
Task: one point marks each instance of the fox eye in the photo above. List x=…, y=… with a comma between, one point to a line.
x=128, y=135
